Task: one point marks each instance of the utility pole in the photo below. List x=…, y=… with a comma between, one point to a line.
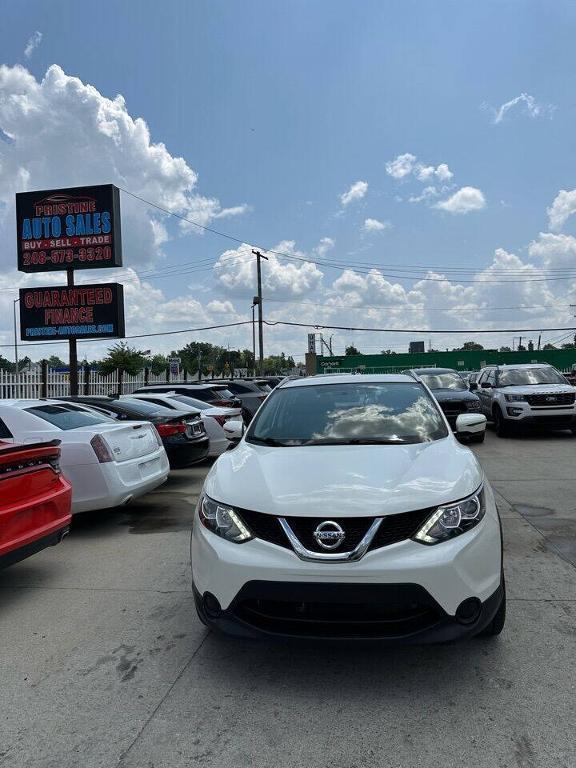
x=260, y=316
x=254, y=304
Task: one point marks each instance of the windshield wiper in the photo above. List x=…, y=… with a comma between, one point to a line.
x=356, y=441
x=271, y=441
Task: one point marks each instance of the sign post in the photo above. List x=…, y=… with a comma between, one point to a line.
x=69, y=229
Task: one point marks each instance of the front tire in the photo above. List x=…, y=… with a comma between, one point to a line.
x=502, y=428
x=497, y=624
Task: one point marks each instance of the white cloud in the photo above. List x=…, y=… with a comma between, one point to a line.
x=524, y=103
x=443, y=173
x=63, y=132
x=406, y=165
x=33, y=42
x=564, y=205
x=556, y=251
x=466, y=199
x=326, y=244
x=356, y=192
x=235, y=272
x=401, y=166
x=373, y=225
x=220, y=307
x=427, y=194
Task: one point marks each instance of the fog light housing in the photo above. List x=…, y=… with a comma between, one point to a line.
x=514, y=411
x=469, y=610
x=212, y=605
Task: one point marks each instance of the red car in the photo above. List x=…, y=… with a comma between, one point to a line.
x=35, y=500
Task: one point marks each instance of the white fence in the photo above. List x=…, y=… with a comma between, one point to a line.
x=30, y=385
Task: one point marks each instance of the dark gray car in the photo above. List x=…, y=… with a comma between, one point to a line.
x=251, y=393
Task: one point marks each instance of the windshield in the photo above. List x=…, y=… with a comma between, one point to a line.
x=68, y=416
x=521, y=377
x=138, y=406
x=443, y=380
x=348, y=413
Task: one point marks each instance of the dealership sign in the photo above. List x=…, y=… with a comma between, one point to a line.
x=75, y=228
x=81, y=311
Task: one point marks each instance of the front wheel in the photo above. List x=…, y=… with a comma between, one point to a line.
x=502, y=428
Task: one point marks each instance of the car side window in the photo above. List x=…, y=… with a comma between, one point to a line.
x=491, y=378
x=4, y=431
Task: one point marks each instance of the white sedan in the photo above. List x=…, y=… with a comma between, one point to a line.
x=108, y=463
x=213, y=417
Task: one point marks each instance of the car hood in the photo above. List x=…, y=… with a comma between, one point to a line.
x=462, y=395
x=343, y=481
x=539, y=389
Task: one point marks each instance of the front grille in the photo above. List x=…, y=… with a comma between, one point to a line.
x=355, y=529
x=453, y=407
x=392, y=529
x=265, y=527
x=395, y=528
x=336, y=610
x=563, y=398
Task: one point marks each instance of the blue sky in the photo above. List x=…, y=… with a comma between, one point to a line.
x=280, y=107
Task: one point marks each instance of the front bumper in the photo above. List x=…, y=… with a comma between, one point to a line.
x=552, y=418
x=447, y=574
x=390, y=613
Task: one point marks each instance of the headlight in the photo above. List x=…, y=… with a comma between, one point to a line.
x=514, y=398
x=473, y=405
x=453, y=519
x=222, y=520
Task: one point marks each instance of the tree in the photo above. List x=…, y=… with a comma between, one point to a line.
x=158, y=364
x=548, y=346
x=530, y=346
x=469, y=346
x=505, y=349
x=122, y=357
x=55, y=362
x=351, y=350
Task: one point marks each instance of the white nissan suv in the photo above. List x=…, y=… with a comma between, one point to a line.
x=534, y=395
x=349, y=510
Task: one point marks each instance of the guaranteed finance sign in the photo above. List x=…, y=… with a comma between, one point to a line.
x=82, y=311
x=75, y=228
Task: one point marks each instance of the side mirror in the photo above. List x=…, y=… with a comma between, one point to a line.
x=473, y=386
x=486, y=385
x=234, y=430
x=470, y=424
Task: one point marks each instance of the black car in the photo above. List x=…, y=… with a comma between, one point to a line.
x=183, y=436
x=452, y=394
x=214, y=394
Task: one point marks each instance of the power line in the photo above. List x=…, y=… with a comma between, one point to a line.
x=426, y=331
x=325, y=262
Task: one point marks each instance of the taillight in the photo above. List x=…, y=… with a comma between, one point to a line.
x=54, y=462
x=220, y=419
x=101, y=449
x=171, y=429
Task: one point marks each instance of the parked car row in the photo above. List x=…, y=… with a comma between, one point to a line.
x=64, y=456
x=511, y=396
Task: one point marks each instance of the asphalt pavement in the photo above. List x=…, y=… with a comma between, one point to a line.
x=104, y=662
